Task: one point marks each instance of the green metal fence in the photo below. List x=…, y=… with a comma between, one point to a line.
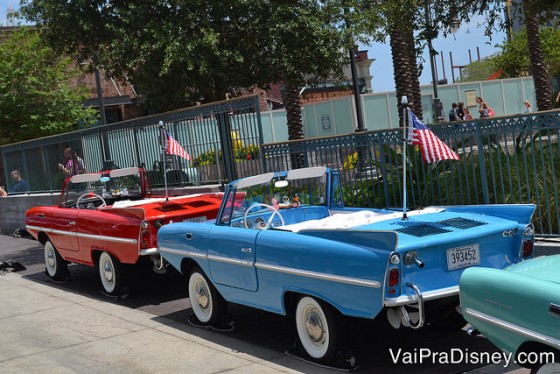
x=503, y=160
x=214, y=135
x=512, y=159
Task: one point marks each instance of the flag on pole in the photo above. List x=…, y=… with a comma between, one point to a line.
x=174, y=148
x=432, y=148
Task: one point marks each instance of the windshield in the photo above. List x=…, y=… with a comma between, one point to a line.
x=111, y=185
x=284, y=190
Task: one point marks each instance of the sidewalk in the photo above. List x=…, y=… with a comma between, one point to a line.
x=47, y=330
x=47, y=327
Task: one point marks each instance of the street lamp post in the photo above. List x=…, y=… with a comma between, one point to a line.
x=355, y=87
x=100, y=96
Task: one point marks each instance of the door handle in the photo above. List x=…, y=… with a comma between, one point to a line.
x=246, y=250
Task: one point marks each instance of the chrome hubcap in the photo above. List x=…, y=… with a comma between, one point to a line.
x=50, y=258
x=202, y=295
x=314, y=326
x=108, y=271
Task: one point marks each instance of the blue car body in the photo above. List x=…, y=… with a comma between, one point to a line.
x=358, y=261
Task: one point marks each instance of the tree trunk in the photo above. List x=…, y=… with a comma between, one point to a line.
x=414, y=76
x=293, y=112
x=295, y=125
x=538, y=68
x=405, y=70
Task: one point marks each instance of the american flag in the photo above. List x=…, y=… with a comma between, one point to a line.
x=174, y=148
x=431, y=147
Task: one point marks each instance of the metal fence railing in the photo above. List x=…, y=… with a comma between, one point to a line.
x=512, y=159
x=218, y=134
x=503, y=160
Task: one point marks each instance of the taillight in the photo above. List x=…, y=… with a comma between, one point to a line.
x=394, y=277
x=527, y=248
x=528, y=237
x=144, y=239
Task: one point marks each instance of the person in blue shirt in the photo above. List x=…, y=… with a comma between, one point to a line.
x=20, y=185
x=453, y=113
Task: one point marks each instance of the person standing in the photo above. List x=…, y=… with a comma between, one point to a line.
x=460, y=111
x=484, y=109
x=467, y=114
x=527, y=107
x=453, y=113
x=20, y=185
x=72, y=163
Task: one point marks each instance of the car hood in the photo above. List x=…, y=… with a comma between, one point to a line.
x=543, y=267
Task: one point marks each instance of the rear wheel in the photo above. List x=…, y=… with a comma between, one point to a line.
x=551, y=368
x=207, y=304
x=111, y=274
x=55, y=266
x=317, y=328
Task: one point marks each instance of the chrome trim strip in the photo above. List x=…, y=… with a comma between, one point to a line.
x=182, y=252
x=108, y=238
x=276, y=268
x=233, y=261
x=46, y=229
x=322, y=276
x=148, y=251
x=88, y=236
x=513, y=327
x=427, y=295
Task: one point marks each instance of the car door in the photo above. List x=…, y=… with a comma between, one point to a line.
x=62, y=229
x=231, y=257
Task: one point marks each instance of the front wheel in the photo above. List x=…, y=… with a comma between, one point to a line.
x=317, y=328
x=207, y=304
x=55, y=266
x=111, y=274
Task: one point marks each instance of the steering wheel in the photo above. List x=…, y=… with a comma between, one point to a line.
x=270, y=207
x=88, y=195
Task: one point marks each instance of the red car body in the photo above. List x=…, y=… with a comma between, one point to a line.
x=114, y=216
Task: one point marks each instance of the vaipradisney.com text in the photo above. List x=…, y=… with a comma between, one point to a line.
x=464, y=356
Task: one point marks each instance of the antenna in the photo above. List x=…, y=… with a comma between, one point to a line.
x=404, y=104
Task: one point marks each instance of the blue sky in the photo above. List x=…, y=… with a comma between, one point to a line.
x=470, y=36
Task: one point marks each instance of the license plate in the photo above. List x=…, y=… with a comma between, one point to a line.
x=462, y=257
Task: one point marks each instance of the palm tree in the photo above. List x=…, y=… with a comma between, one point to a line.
x=405, y=69
x=538, y=67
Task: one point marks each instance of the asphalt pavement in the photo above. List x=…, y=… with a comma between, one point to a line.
x=73, y=328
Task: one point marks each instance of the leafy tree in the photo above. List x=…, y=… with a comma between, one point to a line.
x=38, y=96
x=481, y=70
x=176, y=53
x=514, y=59
x=534, y=14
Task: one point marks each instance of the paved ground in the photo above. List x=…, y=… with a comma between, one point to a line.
x=73, y=328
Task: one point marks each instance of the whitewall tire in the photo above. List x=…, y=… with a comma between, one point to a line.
x=316, y=328
x=55, y=265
